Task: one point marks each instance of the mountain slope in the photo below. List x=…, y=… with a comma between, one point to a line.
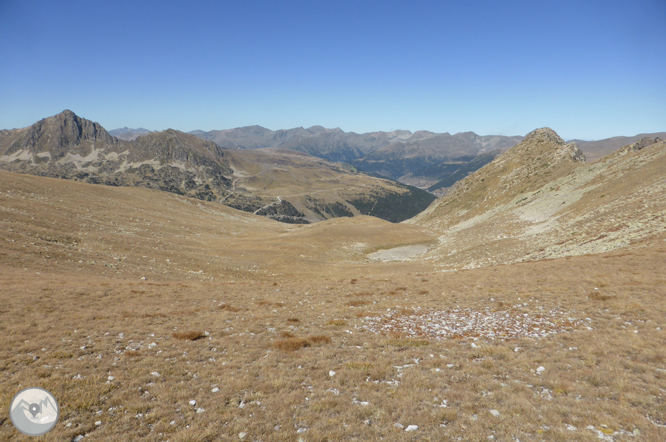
x=67, y=146
x=540, y=200
x=283, y=185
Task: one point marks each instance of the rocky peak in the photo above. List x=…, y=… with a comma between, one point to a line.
x=544, y=135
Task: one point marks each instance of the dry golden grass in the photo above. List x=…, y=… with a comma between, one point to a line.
x=68, y=327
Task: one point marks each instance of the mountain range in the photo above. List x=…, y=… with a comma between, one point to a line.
x=284, y=185
x=432, y=161
x=424, y=159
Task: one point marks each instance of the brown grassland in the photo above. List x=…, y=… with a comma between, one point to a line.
x=127, y=304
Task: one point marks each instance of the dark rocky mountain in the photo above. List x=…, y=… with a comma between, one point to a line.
x=67, y=146
x=272, y=183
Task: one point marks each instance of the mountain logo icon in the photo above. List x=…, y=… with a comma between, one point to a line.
x=34, y=411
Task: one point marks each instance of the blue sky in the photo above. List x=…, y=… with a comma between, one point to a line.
x=587, y=69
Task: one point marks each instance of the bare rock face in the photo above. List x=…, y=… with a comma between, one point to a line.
x=62, y=133
x=641, y=144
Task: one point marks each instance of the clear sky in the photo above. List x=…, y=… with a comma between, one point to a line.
x=587, y=69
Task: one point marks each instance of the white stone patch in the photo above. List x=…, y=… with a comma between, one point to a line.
x=473, y=324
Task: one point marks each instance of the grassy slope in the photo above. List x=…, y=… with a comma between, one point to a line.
x=63, y=319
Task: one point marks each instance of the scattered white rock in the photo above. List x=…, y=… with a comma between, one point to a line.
x=495, y=413
x=77, y=438
x=200, y=410
x=152, y=345
x=398, y=425
x=331, y=373
x=172, y=423
x=110, y=378
x=301, y=430
x=242, y=435
x=474, y=345
x=155, y=373
x=517, y=349
x=571, y=428
x=541, y=369
x=412, y=428
x=215, y=390
x=193, y=402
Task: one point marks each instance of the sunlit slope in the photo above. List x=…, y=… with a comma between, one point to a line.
x=296, y=187
x=540, y=200
x=135, y=232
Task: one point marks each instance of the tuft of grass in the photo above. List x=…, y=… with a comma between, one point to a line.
x=337, y=322
x=189, y=335
x=294, y=320
x=320, y=339
x=292, y=344
x=359, y=365
x=599, y=296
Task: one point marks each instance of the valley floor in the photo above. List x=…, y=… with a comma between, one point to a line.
x=295, y=348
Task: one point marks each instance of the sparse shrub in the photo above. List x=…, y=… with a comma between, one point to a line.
x=189, y=335
x=353, y=281
x=293, y=320
x=286, y=334
x=292, y=344
x=337, y=322
x=133, y=353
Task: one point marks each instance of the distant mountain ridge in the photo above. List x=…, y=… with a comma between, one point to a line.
x=283, y=185
x=128, y=134
x=422, y=158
